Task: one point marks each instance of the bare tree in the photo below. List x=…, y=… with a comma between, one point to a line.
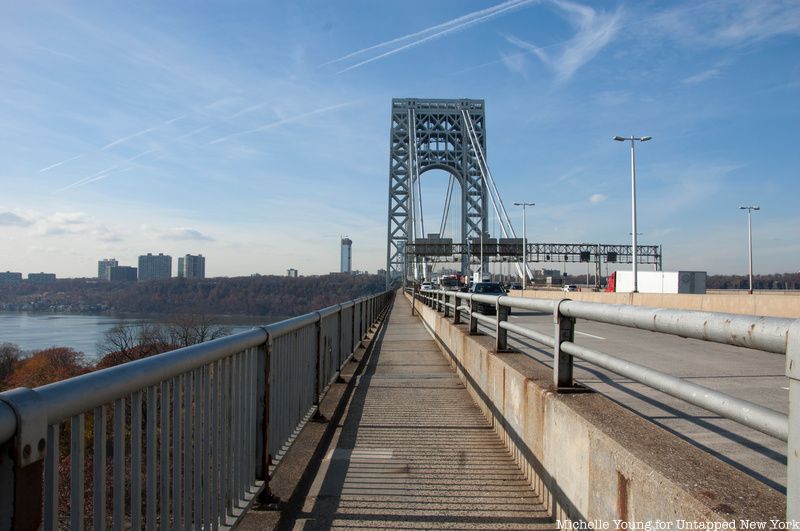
x=190, y=329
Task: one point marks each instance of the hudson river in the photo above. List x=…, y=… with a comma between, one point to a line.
x=35, y=331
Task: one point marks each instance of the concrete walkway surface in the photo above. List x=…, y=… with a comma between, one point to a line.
x=413, y=451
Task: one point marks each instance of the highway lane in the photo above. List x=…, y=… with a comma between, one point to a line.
x=744, y=373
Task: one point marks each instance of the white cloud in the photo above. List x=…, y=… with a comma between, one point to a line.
x=595, y=31
x=729, y=23
x=9, y=219
x=711, y=73
x=598, y=198
x=182, y=233
x=514, y=62
x=610, y=98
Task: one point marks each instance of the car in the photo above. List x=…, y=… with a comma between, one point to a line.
x=487, y=288
x=515, y=285
x=568, y=287
x=426, y=286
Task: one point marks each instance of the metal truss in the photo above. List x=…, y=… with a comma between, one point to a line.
x=511, y=250
x=426, y=135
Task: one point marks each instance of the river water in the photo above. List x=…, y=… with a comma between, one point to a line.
x=35, y=331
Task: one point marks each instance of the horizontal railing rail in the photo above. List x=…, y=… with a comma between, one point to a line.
x=180, y=440
x=770, y=334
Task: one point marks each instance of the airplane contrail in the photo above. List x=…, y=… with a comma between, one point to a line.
x=283, y=121
x=102, y=174
x=57, y=164
x=142, y=132
x=439, y=30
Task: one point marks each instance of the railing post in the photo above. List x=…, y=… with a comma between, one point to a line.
x=793, y=444
x=473, y=321
x=21, y=461
x=446, y=309
x=456, y=311
x=353, y=339
x=413, y=304
x=562, y=362
x=318, y=367
x=265, y=460
x=501, y=334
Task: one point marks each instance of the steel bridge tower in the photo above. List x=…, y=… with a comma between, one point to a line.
x=428, y=134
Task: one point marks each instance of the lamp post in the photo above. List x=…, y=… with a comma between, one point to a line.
x=634, y=249
x=750, y=240
x=524, y=244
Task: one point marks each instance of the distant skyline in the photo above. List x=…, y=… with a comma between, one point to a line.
x=256, y=133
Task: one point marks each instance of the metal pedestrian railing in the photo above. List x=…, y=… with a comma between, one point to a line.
x=771, y=334
x=182, y=440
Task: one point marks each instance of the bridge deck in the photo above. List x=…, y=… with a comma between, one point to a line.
x=414, y=452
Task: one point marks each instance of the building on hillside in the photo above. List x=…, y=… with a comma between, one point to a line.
x=103, y=267
x=347, y=256
x=41, y=278
x=154, y=267
x=192, y=266
x=122, y=274
x=10, y=277
x=291, y=273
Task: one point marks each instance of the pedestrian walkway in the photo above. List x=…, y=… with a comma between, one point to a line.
x=413, y=451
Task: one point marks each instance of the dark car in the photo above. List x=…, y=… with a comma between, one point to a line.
x=487, y=288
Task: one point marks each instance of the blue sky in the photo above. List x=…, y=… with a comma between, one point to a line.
x=256, y=133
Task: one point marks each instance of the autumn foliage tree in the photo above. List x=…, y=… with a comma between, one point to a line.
x=47, y=366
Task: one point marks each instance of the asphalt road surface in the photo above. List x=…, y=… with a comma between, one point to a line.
x=744, y=373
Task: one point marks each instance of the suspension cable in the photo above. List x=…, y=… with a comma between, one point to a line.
x=491, y=185
x=447, y=199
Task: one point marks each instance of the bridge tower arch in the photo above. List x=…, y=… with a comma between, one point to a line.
x=429, y=134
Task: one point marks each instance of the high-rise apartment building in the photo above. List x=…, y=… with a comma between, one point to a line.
x=193, y=266
x=103, y=267
x=180, y=267
x=152, y=267
x=41, y=278
x=291, y=273
x=347, y=256
x=122, y=274
x=10, y=277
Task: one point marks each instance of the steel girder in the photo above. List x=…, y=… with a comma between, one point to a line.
x=442, y=142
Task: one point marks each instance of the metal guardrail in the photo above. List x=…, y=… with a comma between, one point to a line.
x=181, y=440
x=771, y=334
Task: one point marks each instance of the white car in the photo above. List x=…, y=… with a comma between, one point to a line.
x=568, y=287
x=426, y=286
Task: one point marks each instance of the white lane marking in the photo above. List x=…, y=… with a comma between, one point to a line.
x=590, y=335
x=785, y=388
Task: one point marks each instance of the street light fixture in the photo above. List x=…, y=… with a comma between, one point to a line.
x=524, y=244
x=750, y=240
x=634, y=249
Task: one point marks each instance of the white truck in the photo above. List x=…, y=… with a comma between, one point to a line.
x=660, y=282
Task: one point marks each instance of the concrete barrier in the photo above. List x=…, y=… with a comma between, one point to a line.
x=761, y=304
x=590, y=459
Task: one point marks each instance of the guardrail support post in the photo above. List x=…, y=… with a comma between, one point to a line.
x=265, y=497
x=473, y=321
x=413, y=301
x=21, y=462
x=793, y=444
x=501, y=334
x=456, y=311
x=446, y=308
x=318, y=416
x=562, y=362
